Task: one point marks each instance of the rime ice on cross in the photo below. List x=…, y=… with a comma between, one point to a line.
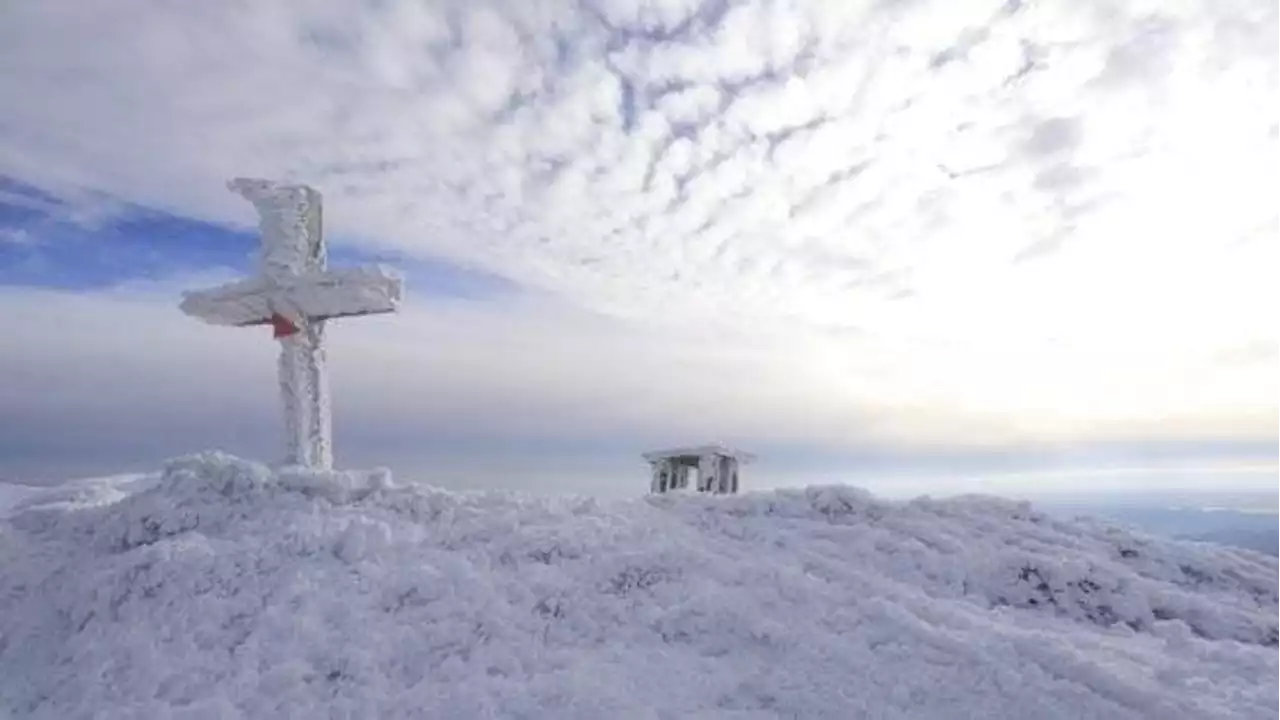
x=295, y=294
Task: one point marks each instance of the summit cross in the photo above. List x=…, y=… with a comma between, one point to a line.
x=295, y=293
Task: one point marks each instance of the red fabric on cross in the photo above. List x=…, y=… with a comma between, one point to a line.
x=282, y=326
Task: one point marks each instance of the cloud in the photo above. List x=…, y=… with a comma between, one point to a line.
x=973, y=223
x=15, y=237
x=528, y=369
x=464, y=387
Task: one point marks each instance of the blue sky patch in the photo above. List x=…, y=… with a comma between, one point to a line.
x=44, y=244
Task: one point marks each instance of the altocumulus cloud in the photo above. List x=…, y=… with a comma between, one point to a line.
x=920, y=224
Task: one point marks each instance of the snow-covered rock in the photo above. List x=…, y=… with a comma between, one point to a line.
x=223, y=589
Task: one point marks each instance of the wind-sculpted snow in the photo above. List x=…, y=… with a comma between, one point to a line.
x=73, y=494
x=222, y=589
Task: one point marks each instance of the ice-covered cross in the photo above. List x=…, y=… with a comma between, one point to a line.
x=296, y=294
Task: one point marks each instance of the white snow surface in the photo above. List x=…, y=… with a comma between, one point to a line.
x=223, y=589
x=72, y=494
x=12, y=495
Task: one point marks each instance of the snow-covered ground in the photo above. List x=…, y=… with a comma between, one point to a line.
x=70, y=495
x=221, y=589
x=13, y=495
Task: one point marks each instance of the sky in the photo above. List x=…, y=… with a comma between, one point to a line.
x=909, y=244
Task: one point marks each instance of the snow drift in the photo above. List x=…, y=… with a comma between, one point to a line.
x=223, y=589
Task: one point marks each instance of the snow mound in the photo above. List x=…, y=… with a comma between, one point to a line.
x=224, y=589
x=71, y=494
x=12, y=495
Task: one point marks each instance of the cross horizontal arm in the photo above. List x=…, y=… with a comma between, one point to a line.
x=315, y=295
